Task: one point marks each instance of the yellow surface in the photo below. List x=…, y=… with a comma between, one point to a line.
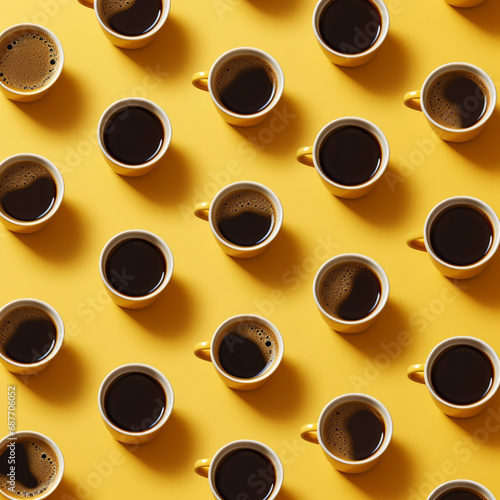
x=60, y=264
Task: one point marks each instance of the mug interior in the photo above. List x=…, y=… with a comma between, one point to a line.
x=465, y=484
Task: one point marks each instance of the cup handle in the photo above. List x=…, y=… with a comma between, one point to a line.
x=201, y=210
x=202, y=351
x=412, y=100
x=87, y=3
x=200, y=80
x=416, y=373
x=416, y=241
x=309, y=433
x=305, y=156
x=202, y=466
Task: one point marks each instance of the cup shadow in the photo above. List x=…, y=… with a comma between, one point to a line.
x=484, y=15
x=382, y=481
x=280, y=8
x=269, y=266
x=66, y=489
x=61, y=381
x=167, y=53
x=61, y=239
x=392, y=54
x=278, y=132
x=171, y=451
x=281, y=396
x=61, y=107
x=167, y=183
x=170, y=315
x=287, y=494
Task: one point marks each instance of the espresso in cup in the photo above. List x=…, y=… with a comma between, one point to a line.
x=28, y=190
x=135, y=402
x=245, y=84
x=461, y=235
x=457, y=99
x=245, y=217
x=234, y=473
x=135, y=267
x=36, y=468
x=29, y=60
x=350, y=155
x=461, y=494
x=353, y=430
x=350, y=26
x=131, y=17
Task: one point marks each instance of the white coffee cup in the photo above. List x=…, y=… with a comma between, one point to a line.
x=421, y=373
x=422, y=243
x=310, y=156
x=464, y=484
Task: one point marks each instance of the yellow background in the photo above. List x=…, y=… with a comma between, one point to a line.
x=60, y=263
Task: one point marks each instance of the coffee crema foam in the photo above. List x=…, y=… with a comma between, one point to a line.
x=445, y=112
x=109, y=8
x=244, y=200
x=232, y=68
x=260, y=334
x=43, y=465
x=336, y=435
x=28, y=60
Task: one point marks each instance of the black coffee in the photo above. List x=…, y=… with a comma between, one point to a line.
x=350, y=26
x=350, y=291
x=131, y=17
x=36, y=466
x=245, y=84
x=461, y=494
x=353, y=430
x=135, y=402
x=135, y=267
x=133, y=135
x=462, y=375
x=27, y=191
x=27, y=334
x=350, y=156
x=245, y=218
x=457, y=99
x=247, y=349
x=245, y=473
x=461, y=235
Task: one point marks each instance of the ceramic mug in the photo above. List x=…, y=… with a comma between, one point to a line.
x=465, y=3
x=417, y=100
x=205, y=80
x=423, y=243
x=314, y=433
x=208, y=351
x=461, y=484
x=310, y=156
x=142, y=436
x=124, y=41
x=351, y=326
x=352, y=60
x=23, y=226
x=208, y=467
x=422, y=373
x=124, y=168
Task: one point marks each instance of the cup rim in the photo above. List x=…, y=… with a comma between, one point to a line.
x=444, y=205
x=56, y=318
x=479, y=344
x=148, y=34
x=368, y=127
x=50, y=442
x=139, y=234
x=256, y=187
x=151, y=107
x=247, y=51
x=363, y=259
x=253, y=445
x=470, y=68
x=247, y=317
x=385, y=21
x=46, y=31
x=461, y=483
x=58, y=180
x=134, y=368
x=364, y=398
